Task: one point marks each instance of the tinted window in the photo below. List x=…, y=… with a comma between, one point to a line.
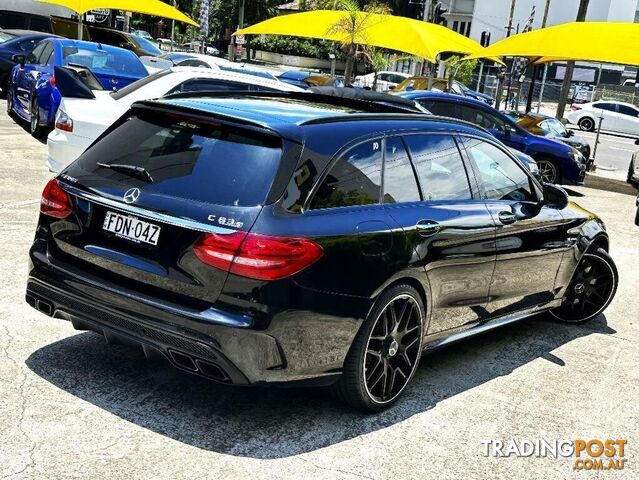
x=625, y=110
x=204, y=163
x=439, y=166
x=34, y=56
x=148, y=46
x=355, y=179
x=109, y=37
x=205, y=84
x=46, y=55
x=445, y=109
x=40, y=24
x=399, y=179
x=193, y=63
x=482, y=118
x=606, y=106
x=502, y=178
x=12, y=20
x=27, y=45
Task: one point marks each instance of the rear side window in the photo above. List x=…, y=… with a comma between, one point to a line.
x=399, y=179
x=355, y=179
x=501, y=177
x=440, y=167
x=626, y=110
x=445, y=109
x=208, y=163
x=606, y=106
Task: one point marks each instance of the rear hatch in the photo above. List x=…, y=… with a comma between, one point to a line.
x=157, y=183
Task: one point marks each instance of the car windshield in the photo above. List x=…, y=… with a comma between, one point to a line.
x=105, y=61
x=150, y=47
x=208, y=163
x=554, y=126
x=4, y=36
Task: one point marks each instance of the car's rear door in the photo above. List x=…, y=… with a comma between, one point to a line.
x=449, y=230
x=607, y=112
x=531, y=237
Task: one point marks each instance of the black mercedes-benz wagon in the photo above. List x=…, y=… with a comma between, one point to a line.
x=300, y=237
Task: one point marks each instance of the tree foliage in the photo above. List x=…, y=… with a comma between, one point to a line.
x=461, y=70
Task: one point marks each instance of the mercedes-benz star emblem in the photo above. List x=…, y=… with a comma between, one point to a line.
x=131, y=195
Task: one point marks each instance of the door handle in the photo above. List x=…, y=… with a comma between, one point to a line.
x=507, y=217
x=426, y=228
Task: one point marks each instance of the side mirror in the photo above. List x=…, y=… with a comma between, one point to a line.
x=20, y=59
x=555, y=196
x=509, y=130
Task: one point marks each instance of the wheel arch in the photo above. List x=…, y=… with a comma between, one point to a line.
x=554, y=159
x=422, y=289
x=599, y=241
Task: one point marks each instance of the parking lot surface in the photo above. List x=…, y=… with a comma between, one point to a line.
x=73, y=407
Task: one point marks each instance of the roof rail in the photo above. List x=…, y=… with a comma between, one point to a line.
x=364, y=105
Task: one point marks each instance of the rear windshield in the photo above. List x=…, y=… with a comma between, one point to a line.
x=111, y=61
x=208, y=163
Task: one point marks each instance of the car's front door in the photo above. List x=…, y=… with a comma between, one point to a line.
x=26, y=76
x=628, y=120
x=449, y=231
x=607, y=113
x=530, y=236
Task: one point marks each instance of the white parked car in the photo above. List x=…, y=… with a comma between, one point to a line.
x=618, y=117
x=385, y=80
x=79, y=121
x=195, y=47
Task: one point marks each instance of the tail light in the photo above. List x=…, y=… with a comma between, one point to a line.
x=261, y=257
x=63, y=121
x=55, y=202
x=52, y=81
x=574, y=108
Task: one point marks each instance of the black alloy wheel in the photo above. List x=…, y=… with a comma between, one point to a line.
x=386, y=351
x=591, y=289
x=9, y=104
x=586, y=124
x=548, y=170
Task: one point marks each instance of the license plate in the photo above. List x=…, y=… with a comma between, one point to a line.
x=131, y=228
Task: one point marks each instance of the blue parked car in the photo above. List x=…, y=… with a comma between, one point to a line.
x=15, y=42
x=32, y=94
x=558, y=163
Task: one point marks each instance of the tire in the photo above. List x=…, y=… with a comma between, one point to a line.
x=382, y=360
x=34, y=119
x=586, y=124
x=631, y=172
x=549, y=170
x=10, y=111
x=589, y=291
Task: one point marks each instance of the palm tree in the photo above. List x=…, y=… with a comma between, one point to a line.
x=353, y=27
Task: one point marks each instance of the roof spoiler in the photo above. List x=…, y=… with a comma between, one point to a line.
x=76, y=81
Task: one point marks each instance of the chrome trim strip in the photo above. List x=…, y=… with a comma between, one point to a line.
x=148, y=214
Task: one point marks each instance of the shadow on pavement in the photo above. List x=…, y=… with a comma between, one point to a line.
x=271, y=423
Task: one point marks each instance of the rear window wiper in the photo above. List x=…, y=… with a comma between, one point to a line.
x=131, y=170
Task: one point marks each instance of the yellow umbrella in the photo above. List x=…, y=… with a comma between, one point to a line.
x=605, y=42
x=149, y=7
x=402, y=34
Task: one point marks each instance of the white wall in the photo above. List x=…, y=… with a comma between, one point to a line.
x=493, y=14
x=31, y=6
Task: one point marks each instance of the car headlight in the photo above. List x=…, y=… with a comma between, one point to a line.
x=577, y=156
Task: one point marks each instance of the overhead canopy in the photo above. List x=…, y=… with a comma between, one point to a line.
x=149, y=7
x=604, y=42
x=402, y=34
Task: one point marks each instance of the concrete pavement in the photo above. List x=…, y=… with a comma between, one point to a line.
x=73, y=407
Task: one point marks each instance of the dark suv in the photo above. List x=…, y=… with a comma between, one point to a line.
x=300, y=237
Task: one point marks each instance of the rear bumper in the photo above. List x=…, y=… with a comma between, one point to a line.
x=63, y=149
x=296, y=345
